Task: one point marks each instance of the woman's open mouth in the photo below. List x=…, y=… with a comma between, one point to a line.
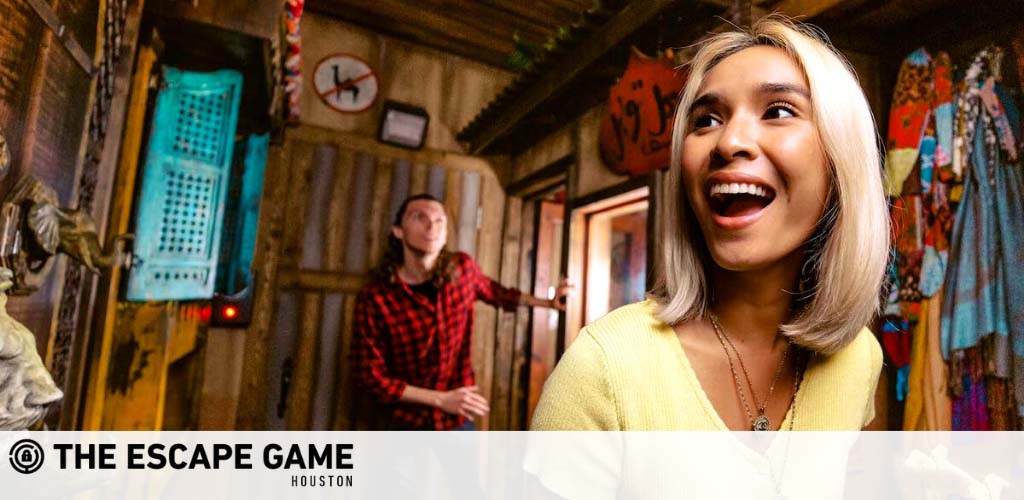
x=738, y=204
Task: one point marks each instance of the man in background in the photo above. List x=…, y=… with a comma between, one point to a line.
x=414, y=321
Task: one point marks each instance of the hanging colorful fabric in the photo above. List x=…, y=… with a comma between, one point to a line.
x=907, y=120
x=293, y=57
x=989, y=227
x=936, y=213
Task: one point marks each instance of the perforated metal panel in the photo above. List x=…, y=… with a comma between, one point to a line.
x=181, y=204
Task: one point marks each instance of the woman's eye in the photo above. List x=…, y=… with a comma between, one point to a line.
x=705, y=121
x=777, y=111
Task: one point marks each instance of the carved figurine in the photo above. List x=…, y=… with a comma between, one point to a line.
x=71, y=232
x=26, y=388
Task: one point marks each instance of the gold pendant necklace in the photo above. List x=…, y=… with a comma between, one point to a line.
x=761, y=422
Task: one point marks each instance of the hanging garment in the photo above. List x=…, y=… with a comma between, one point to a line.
x=970, y=410
x=988, y=238
x=911, y=104
x=928, y=407
x=936, y=212
x=983, y=310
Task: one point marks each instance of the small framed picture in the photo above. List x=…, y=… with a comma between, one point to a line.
x=403, y=125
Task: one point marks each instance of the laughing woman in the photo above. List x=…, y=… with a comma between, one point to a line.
x=775, y=239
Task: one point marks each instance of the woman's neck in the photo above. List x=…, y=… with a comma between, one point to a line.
x=752, y=304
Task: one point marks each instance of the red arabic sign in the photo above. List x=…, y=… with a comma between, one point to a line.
x=636, y=133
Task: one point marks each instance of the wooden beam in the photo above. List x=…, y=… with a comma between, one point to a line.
x=806, y=9
x=562, y=74
x=252, y=401
x=120, y=218
x=423, y=27
x=328, y=281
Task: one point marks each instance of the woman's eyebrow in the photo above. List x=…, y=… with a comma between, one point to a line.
x=709, y=99
x=783, y=88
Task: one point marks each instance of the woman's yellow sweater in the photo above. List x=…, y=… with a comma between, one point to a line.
x=628, y=371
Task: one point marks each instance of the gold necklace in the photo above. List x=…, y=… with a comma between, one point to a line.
x=761, y=422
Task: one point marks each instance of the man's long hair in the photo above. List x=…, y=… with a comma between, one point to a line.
x=394, y=253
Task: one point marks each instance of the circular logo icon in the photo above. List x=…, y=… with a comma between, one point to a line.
x=26, y=456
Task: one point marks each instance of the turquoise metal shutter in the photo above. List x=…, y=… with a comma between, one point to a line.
x=178, y=223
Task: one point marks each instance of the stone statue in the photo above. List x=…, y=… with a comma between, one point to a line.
x=26, y=388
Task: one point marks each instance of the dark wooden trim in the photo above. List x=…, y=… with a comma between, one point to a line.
x=562, y=75
x=65, y=36
x=620, y=188
x=654, y=186
x=551, y=174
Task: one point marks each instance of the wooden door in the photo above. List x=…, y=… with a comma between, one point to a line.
x=544, y=331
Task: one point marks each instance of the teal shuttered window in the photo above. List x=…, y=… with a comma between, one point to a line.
x=180, y=214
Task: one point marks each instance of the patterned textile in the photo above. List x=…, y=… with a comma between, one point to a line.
x=970, y=408
x=293, y=56
x=911, y=106
x=989, y=225
x=918, y=175
x=982, y=314
x=401, y=339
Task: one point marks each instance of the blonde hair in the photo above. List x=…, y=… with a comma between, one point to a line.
x=847, y=256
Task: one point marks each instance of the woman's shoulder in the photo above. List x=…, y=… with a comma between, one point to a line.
x=863, y=352
x=629, y=323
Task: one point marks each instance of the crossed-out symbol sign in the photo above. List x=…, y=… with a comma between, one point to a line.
x=26, y=456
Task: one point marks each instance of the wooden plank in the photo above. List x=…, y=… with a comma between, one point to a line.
x=376, y=231
x=505, y=334
x=488, y=256
x=120, y=217
x=338, y=210
x=453, y=195
x=435, y=181
x=327, y=366
x=392, y=20
x=301, y=158
x=222, y=379
x=90, y=307
x=281, y=344
x=254, y=409
x=184, y=336
x=518, y=412
x=335, y=281
x=257, y=18
x=356, y=251
x=806, y=9
x=369, y=145
x=344, y=396
x=400, y=181
x=317, y=205
x=562, y=74
x=544, y=334
x=137, y=376
x=418, y=179
x=469, y=211
x=299, y=415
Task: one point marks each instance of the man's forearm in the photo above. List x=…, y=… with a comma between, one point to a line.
x=419, y=395
x=530, y=300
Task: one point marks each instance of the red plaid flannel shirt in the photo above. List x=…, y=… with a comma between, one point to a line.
x=401, y=339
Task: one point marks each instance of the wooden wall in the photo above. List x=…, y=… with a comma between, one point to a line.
x=44, y=101
x=329, y=203
x=452, y=89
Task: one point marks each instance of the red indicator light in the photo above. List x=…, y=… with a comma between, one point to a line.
x=229, y=312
